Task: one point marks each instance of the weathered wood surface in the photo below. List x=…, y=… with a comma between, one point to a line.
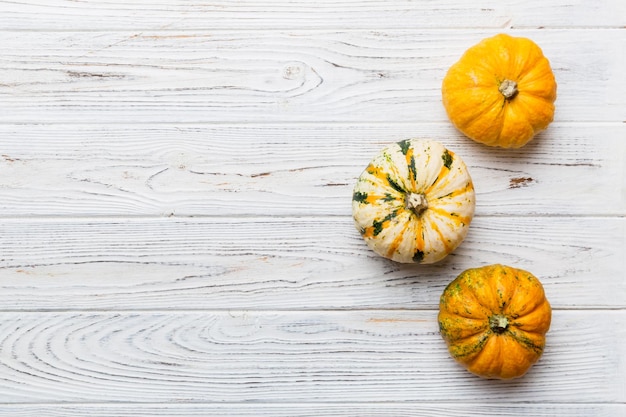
x=287, y=357
x=260, y=76
x=431, y=409
x=296, y=14
x=175, y=231
x=276, y=263
x=286, y=170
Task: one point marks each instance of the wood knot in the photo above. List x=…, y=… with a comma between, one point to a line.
x=292, y=71
x=520, y=182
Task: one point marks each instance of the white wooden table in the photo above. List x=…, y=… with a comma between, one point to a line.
x=175, y=208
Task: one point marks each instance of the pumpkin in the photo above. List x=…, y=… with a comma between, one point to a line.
x=494, y=320
x=414, y=202
x=501, y=92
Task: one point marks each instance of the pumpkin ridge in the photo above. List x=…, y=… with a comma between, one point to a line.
x=516, y=325
x=420, y=244
x=525, y=341
x=465, y=312
x=539, y=299
x=366, y=198
x=393, y=184
x=404, y=180
x=443, y=172
x=379, y=226
x=447, y=330
x=473, y=350
x=407, y=150
x=457, y=219
x=469, y=187
x=435, y=228
x=538, y=71
x=376, y=175
x=491, y=349
x=499, y=280
x=397, y=240
x=384, y=178
x=538, y=121
x=480, y=348
x=412, y=170
x=497, y=124
x=520, y=322
x=504, y=282
x=472, y=276
x=514, y=313
x=371, y=199
x=496, y=101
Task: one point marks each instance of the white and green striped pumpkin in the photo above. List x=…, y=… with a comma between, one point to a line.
x=414, y=202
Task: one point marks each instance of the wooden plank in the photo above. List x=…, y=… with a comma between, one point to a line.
x=413, y=409
x=114, y=116
x=272, y=76
x=293, y=263
x=271, y=14
x=288, y=169
x=242, y=356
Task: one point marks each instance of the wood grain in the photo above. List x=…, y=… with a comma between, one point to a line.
x=288, y=263
x=240, y=356
x=175, y=231
x=296, y=14
x=272, y=76
x=288, y=170
x=411, y=409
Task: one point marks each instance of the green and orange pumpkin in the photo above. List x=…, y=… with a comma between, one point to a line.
x=494, y=320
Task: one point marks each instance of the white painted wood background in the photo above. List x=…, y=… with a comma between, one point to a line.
x=175, y=192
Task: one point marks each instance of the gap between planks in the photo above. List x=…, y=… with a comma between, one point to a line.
x=208, y=406
x=261, y=311
x=138, y=31
x=328, y=125
x=256, y=217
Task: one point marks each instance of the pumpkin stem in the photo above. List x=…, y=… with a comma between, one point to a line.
x=508, y=89
x=498, y=323
x=416, y=202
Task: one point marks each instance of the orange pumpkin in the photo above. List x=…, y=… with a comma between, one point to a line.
x=494, y=320
x=501, y=92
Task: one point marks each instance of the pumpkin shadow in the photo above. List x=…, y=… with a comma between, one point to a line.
x=538, y=145
x=508, y=388
x=423, y=284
